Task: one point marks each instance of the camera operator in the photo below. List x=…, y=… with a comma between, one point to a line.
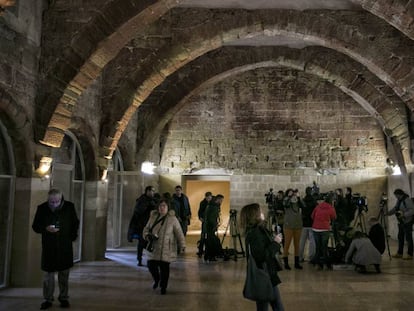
x=404, y=211
x=350, y=205
x=293, y=225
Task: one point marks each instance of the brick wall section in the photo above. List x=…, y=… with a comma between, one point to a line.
x=255, y=127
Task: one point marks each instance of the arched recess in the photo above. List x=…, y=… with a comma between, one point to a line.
x=116, y=222
x=7, y=186
x=399, y=13
x=343, y=33
x=344, y=73
x=82, y=62
x=68, y=175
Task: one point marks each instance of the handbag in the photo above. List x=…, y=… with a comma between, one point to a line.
x=258, y=286
x=151, y=238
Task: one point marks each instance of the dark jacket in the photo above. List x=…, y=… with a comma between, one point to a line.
x=143, y=207
x=57, y=252
x=263, y=249
x=183, y=212
x=211, y=216
x=202, y=209
x=309, y=204
x=377, y=237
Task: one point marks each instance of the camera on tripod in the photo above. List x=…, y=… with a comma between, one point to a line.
x=360, y=202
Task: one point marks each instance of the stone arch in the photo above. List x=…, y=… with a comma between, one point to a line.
x=19, y=128
x=392, y=66
x=82, y=62
x=353, y=80
x=110, y=33
x=91, y=162
x=398, y=13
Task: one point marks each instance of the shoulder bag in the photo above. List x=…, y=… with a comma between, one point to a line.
x=257, y=286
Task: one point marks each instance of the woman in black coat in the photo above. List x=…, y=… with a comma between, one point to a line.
x=259, y=239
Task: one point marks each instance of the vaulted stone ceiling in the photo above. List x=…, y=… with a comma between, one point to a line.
x=151, y=56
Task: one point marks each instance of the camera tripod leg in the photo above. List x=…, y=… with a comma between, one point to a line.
x=383, y=223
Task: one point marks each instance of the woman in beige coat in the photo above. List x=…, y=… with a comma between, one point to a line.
x=164, y=232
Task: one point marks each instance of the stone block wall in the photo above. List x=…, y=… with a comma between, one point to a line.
x=250, y=126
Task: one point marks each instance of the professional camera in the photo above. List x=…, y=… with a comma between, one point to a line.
x=360, y=202
x=233, y=212
x=151, y=238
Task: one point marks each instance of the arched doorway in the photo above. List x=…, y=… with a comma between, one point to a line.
x=7, y=180
x=68, y=175
x=115, y=223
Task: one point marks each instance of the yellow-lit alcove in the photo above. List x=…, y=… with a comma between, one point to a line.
x=196, y=186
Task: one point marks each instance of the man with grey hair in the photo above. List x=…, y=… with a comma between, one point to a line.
x=57, y=222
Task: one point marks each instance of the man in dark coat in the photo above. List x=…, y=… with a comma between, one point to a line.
x=143, y=207
x=211, y=221
x=201, y=211
x=57, y=222
x=182, y=208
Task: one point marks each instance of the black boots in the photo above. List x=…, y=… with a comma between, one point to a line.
x=297, y=265
x=285, y=261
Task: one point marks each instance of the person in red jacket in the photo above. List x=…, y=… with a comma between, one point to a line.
x=322, y=216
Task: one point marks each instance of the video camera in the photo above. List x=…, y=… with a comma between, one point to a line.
x=233, y=212
x=360, y=202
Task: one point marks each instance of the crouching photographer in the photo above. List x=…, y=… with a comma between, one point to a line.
x=163, y=232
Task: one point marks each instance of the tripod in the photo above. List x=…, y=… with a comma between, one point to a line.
x=359, y=222
x=383, y=222
x=235, y=234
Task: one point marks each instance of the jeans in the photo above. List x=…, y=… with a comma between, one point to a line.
x=321, y=241
x=49, y=285
x=307, y=234
x=405, y=232
x=276, y=305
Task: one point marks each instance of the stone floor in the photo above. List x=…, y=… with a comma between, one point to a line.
x=118, y=284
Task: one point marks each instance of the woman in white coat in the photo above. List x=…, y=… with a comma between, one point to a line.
x=362, y=253
x=164, y=232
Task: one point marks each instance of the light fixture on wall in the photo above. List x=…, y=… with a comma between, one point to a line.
x=392, y=168
x=148, y=168
x=45, y=164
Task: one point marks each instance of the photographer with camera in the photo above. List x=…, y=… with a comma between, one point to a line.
x=163, y=232
x=293, y=226
x=404, y=211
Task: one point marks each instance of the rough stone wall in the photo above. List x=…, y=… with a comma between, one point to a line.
x=277, y=128
x=271, y=120
x=19, y=57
